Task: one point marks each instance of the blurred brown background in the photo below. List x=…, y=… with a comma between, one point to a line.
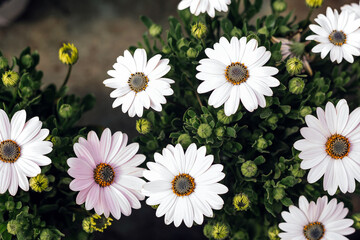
x=102, y=30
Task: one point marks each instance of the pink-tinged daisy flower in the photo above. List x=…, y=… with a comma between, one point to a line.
x=352, y=8
x=22, y=150
x=322, y=220
x=106, y=173
x=332, y=147
x=185, y=185
x=139, y=83
x=202, y=6
x=234, y=71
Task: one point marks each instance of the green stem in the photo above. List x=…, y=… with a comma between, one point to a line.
x=67, y=77
x=196, y=94
x=309, y=14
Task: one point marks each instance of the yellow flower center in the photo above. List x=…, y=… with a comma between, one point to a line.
x=9, y=151
x=183, y=185
x=337, y=38
x=104, y=175
x=337, y=146
x=236, y=73
x=314, y=231
x=138, y=82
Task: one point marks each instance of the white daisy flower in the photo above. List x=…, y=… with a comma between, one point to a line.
x=202, y=6
x=352, y=8
x=234, y=71
x=322, y=220
x=106, y=174
x=22, y=150
x=332, y=147
x=338, y=34
x=139, y=83
x=185, y=185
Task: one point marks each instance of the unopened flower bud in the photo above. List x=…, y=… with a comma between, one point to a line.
x=199, y=30
x=185, y=140
x=219, y=132
x=220, y=231
x=262, y=143
x=305, y=110
x=279, y=6
x=9, y=205
x=46, y=234
x=223, y=118
x=279, y=193
x=314, y=3
x=273, y=119
x=4, y=64
x=356, y=218
x=208, y=230
x=273, y=233
x=192, y=53
x=294, y=66
x=87, y=225
x=241, y=202
x=204, y=130
x=248, y=168
x=27, y=61
x=319, y=98
x=68, y=54
x=39, y=183
x=166, y=49
x=236, y=32
x=10, y=78
x=155, y=30
x=66, y=111
x=240, y=235
x=143, y=126
x=12, y=227
x=296, y=85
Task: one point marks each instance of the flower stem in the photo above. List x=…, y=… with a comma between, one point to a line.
x=309, y=15
x=196, y=94
x=67, y=76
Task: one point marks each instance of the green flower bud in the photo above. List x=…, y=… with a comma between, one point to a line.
x=223, y=118
x=10, y=78
x=4, y=64
x=155, y=30
x=261, y=143
x=294, y=66
x=296, y=171
x=240, y=235
x=273, y=233
x=255, y=36
x=273, y=119
x=296, y=85
x=207, y=230
x=87, y=225
x=204, y=130
x=26, y=91
x=279, y=6
x=305, y=110
x=220, y=231
x=166, y=50
x=199, y=30
x=27, y=61
x=143, y=126
x=185, y=140
x=219, y=132
x=236, y=32
x=46, y=234
x=9, y=205
x=182, y=43
x=314, y=3
x=297, y=48
x=279, y=193
x=356, y=218
x=55, y=140
x=39, y=183
x=66, y=111
x=192, y=53
x=13, y=226
x=284, y=29
x=68, y=54
x=319, y=98
x=248, y=168
x=241, y=202
x=277, y=56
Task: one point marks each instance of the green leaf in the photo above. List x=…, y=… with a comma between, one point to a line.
x=147, y=21
x=289, y=181
x=287, y=202
x=259, y=160
x=231, y=132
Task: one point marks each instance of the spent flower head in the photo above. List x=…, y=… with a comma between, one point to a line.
x=68, y=54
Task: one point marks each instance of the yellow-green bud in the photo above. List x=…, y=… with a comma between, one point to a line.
x=9, y=205
x=278, y=193
x=273, y=119
x=3, y=63
x=192, y=53
x=305, y=110
x=236, y=32
x=68, y=54
x=166, y=49
x=356, y=218
x=220, y=231
x=294, y=66
x=185, y=140
x=55, y=140
x=27, y=61
x=204, y=130
x=219, y=132
x=10, y=78
x=240, y=235
x=314, y=3
x=273, y=233
x=143, y=126
x=261, y=143
x=155, y=30
x=279, y=6
x=46, y=234
x=319, y=98
x=12, y=227
x=223, y=118
x=255, y=36
x=208, y=230
x=241, y=202
x=296, y=85
x=248, y=168
x=39, y=183
x=199, y=30
x=87, y=225
x=66, y=111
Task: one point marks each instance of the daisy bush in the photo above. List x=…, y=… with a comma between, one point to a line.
x=248, y=125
